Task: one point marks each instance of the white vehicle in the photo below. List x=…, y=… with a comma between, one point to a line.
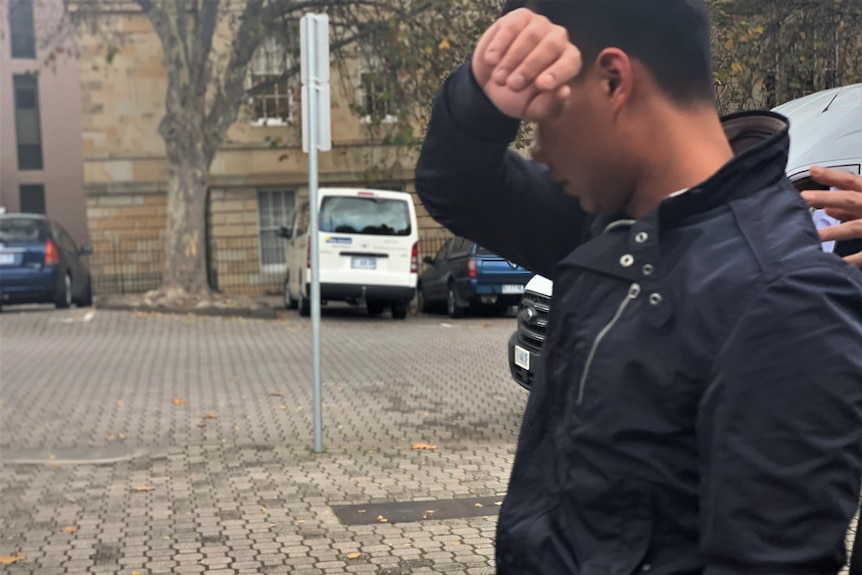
x=825, y=130
x=369, y=251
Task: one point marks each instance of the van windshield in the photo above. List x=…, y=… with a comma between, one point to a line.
x=366, y=216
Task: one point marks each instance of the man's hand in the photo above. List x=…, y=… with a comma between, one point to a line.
x=523, y=63
x=844, y=204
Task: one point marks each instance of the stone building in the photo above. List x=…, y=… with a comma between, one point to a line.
x=257, y=179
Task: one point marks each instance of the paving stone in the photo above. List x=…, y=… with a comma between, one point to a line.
x=240, y=494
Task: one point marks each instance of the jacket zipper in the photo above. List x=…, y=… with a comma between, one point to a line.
x=634, y=292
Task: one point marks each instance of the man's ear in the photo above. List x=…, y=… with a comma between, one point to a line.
x=614, y=69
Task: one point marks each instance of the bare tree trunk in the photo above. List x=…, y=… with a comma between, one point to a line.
x=185, y=249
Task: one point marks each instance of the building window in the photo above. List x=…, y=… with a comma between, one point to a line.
x=32, y=199
x=275, y=209
x=21, y=29
x=27, y=125
x=375, y=92
x=275, y=104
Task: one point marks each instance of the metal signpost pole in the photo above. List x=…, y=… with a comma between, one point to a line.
x=314, y=38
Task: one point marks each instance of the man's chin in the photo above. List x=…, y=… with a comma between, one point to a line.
x=587, y=204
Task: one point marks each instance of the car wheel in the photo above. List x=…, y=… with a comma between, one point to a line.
x=422, y=302
x=400, y=309
x=455, y=311
x=289, y=302
x=304, y=305
x=86, y=299
x=63, y=300
x=376, y=308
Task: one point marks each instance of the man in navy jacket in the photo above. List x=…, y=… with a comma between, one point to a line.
x=699, y=409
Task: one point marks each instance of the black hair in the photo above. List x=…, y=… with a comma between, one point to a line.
x=670, y=37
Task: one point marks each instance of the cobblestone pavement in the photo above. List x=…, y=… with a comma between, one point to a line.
x=149, y=444
x=171, y=444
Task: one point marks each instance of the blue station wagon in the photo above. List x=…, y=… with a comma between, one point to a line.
x=40, y=263
x=463, y=276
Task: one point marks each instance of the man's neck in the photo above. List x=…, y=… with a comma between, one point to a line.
x=687, y=149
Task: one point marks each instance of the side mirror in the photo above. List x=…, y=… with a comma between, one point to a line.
x=285, y=232
x=428, y=260
x=86, y=250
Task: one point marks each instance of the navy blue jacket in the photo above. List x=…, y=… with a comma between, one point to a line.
x=700, y=409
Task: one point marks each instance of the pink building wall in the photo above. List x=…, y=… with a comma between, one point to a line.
x=60, y=118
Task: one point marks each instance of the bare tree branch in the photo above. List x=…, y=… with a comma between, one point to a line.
x=204, y=30
x=229, y=95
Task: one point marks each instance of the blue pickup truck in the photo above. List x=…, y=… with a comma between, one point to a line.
x=464, y=276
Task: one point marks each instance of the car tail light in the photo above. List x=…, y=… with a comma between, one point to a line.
x=52, y=256
x=471, y=268
x=414, y=259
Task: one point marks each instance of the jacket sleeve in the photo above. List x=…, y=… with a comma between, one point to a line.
x=472, y=183
x=780, y=429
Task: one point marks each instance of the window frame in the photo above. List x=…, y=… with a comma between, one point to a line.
x=367, y=66
x=15, y=32
x=18, y=86
x=273, y=229
x=31, y=188
x=263, y=67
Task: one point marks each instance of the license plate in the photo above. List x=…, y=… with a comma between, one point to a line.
x=513, y=289
x=363, y=263
x=7, y=259
x=522, y=357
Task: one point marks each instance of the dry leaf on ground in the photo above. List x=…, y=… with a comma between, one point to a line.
x=143, y=488
x=425, y=446
x=277, y=394
x=282, y=407
x=210, y=415
x=70, y=529
x=382, y=519
x=10, y=559
x=355, y=555
x=180, y=401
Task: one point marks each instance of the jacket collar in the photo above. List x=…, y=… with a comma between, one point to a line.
x=630, y=250
x=760, y=142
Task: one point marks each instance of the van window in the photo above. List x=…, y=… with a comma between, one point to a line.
x=367, y=216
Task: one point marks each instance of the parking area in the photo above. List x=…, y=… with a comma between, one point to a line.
x=154, y=443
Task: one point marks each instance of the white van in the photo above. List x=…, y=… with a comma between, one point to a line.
x=369, y=251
